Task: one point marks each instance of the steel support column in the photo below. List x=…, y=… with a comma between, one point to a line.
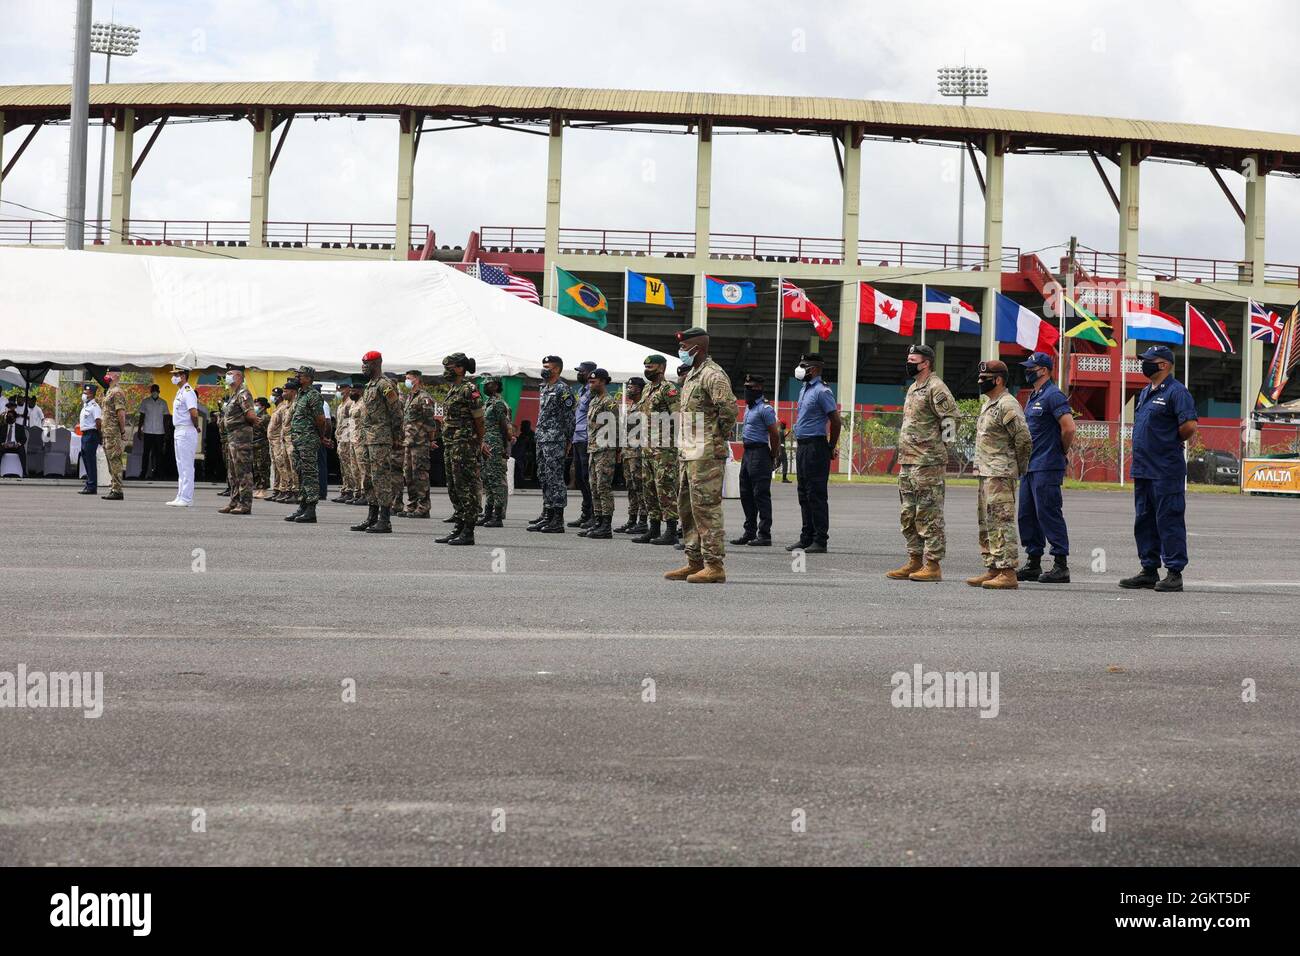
x=260, y=190
x=554, y=157
x=123, y=161
x=846, y=385
x=703, y=208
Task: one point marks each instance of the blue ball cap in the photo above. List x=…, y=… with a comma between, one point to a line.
x=1038, y=360
x=1158, y=352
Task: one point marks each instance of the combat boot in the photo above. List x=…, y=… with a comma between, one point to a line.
x=241, y=510
x=642, y=524
x=308, y=515
x=230, y=506
x=929, y=572
x=342, y=499
x=465, y=535
x=556, y=524
x=114, y=496
x=453, y=533
x=369, y=520
x=494, y=518
x=669, y=537
x=649, y=534
x=978, y=581
x=1173, y=582
x=601, y=529
x=582, y=521
x=589, y=526
x=745, y=538
x=902, y=574
x=1148, y=578
x=1032, y=569
x=713, y=573
x=1004, y=579
x=452, y=520
x=382, y=525
x=1059, y=572
x=626, y=526
x=297, y=514
x=681, y=574
x=539, y=524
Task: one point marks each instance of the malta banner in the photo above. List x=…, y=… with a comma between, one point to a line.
x=1272, y=475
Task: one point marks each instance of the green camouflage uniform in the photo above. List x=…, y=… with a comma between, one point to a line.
x=633, y=460
x=114, y=440
x=659, y=403
x=495, y=491
x=708, y=414
x=1002, y=447
x=417, y=435
x=345, y=445
x=239, y=445
x=380, y=423
x=261, y=451
x=602, y=444
x=461, y=450
x=221, y=436
x=928, y=409
x=306, y=443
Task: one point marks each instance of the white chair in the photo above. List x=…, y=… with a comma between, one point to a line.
x=11, y=466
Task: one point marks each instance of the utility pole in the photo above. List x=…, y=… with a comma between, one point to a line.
x=74, y=227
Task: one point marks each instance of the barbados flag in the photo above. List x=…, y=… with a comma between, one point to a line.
x=721, y=294
x=581, y=300
x=648, y=289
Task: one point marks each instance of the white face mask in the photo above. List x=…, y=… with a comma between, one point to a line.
x=176, y=379
x=408, y=383
x=800, y=373
x=85, y=399
x=230, y=380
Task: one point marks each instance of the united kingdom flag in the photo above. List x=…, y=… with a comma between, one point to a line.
x=1265, y=326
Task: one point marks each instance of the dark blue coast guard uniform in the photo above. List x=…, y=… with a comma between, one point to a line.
x=813, y=460
x=756, y=471
x=1040, y=516
x=1160, y=474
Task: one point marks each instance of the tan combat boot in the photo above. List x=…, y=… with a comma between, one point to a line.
x=681, y=574
x=929, y=572
x=901, y=574
x=1003, y=579
x=713, y=573
x=978, y=581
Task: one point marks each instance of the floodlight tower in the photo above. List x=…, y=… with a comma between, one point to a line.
x=963, y=81
x=110, y=39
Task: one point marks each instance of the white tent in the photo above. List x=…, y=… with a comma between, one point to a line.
x=71, y=308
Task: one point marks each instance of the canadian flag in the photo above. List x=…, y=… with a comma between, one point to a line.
x=877, y=308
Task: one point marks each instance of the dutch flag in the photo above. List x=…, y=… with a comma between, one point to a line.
x=1017, y=324
x=1144, y=322
x=947, y=313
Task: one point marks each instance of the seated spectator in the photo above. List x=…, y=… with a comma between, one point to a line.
x=14, y=439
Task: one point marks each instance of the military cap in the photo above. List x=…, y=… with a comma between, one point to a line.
x=232, y=367
x=751, y=377
x=553, y=360
x=415, y=371
x=694, y=332
x=90, y=387
x=586, y=368
x=277, y=390
x=178, y=369
x=359, y=381
x=292, y=384
x=117, y=371
x=655, y=359
x=308, y=371
x=372, y=356
x=262, y=399
x=456, y=358
x=1158, y=352
x=811, y=358
x=993, y=368
x=636, y=380
x=599, y=373
x=489, y=379
x=1038, y=360
x=922, y=350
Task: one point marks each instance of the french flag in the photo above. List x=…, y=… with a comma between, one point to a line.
x=1144, y=322
x=885, y=311
x=947, y=313
x=1017, y=324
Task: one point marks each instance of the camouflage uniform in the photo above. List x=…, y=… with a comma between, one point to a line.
x=708, y=414
x=417, y=433
x=398, y=459
x=461, y=450
x=555, y=426
x=239, y=446
x=1002, y=448
x=343, y=443
x=659, y=403
x=277, y=433
x=928, y=408
x=602, y=442
x=633, y=459
x=306, y=442
x=223, y=438
x=261, y=451
x=114, y=440
x=381, y=425
x=495, y=413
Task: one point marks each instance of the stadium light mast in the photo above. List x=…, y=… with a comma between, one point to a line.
x=962, y=81
x=110, y=39
x=74, y=227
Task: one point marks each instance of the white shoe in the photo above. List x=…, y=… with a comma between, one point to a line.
x=177, y=503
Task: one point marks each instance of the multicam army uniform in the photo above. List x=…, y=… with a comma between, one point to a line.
x=277, y=433
x=708, y=414
x=381, y=427
x=555, y=426
x=306, y=442
x=461, y=449
x=343, y=428
x=1002, y=448
x=398, y=459
x=496, y=415
x=928, y=409
x=418, y=425
x=261, y=451
x=602, y=444
x=114, y=440
x=239, y=445
x=633, y=477
x=659, y=404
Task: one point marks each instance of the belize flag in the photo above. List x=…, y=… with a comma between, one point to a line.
x=1144, y=322
x=947, y=313
x=721, y=294
x=1017, y=324
x=896, y=315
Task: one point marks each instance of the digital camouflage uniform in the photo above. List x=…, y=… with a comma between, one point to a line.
x=277, y=433
x=380, y=424
x=708, y=414
x=114, y=440
x=239, y=446
x=222, y=437
x=261, y=451
x=306, y=442
x=659, y=404
x=555, y=426
x=343, y=443
x=461, y=449
x=923, y=457
x=1002, y=448
x=398, y=459
x=417, y=434
x=602, y=444
x=495, y=413
x=633, y=458
x=354, y=442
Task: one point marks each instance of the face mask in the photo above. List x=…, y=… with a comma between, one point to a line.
x=752, y=395
x=652, y=376
x=408, y=383
x=274, y=400
x=913, y=369
x=1031, y=376
x=230, y=380
x=987, y=385
x=1150, y=368
x=84, y=399
x=176, y=379
x=800, y=373
x=686, y=357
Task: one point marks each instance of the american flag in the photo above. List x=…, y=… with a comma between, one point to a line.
x=515, y=285
x=1265, y=326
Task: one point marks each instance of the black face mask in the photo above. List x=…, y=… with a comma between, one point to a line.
x=1031, y=376
x=913, y=369
x=752, y=395
x=1150, y=368
x=987, y=385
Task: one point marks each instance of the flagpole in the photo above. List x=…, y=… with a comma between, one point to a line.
x=625, y=303
x=1123, y=387
x=1187, y=342
x=1062, y=345
x=923, y=301
x=780, y=308
x=857, y=330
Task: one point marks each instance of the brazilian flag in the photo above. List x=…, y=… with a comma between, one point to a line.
x=581, y=300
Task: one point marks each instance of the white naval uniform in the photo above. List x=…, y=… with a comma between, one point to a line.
x=186, y=441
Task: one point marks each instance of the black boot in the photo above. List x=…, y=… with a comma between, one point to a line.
x=494, y=517
x=669, y=537
x=446, y=538
x=308, y=515
x=1148, y=578
x=626, y=526
x=383, y=525
x=641, y=526
x=582, y=521
x=602, y=528
x=745, y=538
x=592, y=526
x=452, y=520
x=1173, y=582
x=465, y=535
x=556, y=524
x=1058, y=574
x=370, y=519
x=1032, y=570
x=297, y=514
x=649, y=534
x=539, y=524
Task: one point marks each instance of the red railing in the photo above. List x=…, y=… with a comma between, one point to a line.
x=219, y=232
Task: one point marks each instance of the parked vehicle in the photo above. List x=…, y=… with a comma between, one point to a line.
x=1213, y=468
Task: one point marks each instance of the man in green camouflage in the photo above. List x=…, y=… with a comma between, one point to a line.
x=239, y=416
x=380, y=425
x=633, y=457
x=659, y=404
x=114, y=432
x=928, y=431
x=308, y=430
x=708, y=416
x=499, y=433
x=602, y=445
x=417, y=437
x=463, y=445
x=1002, y=448
x=261, y=448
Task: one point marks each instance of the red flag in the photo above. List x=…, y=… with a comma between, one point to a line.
x=795, y=304
x=879, y=309
x=1206, y=333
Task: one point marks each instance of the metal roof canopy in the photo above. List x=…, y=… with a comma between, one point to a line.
x=1022, y=130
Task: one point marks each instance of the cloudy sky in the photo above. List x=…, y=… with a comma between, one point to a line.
x=1202, y=62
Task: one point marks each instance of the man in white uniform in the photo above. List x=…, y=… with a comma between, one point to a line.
x=185, y=422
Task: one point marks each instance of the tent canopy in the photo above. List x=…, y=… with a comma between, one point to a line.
x=71, y=308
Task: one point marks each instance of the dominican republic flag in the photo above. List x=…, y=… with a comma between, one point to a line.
x=1017, y=324
x=1204, y=333
x=879, y=309
x=947, y=313
x=1144, y=322
x=515, y=285
x=721, y=294
x=1265, y=326
x=795, y=304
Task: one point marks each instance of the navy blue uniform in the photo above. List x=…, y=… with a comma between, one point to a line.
x=813, y=460
x=1160, y=474
x=756, y=469
x=1040, y=516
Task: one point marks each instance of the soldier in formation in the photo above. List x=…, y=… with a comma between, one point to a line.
x=602, y=444
x=633, y=457
x=261, y=448
x=277, y=434
x=555, y=424
x=344, y=429
x=114, y=432
x=462, y=445
x=418, y=426
x=239, y=416
x=1002, y=448
x=659, y=405
x=380, y=422
x=498, y=434
x=309, y=431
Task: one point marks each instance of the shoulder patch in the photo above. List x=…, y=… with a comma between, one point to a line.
x=672, y=391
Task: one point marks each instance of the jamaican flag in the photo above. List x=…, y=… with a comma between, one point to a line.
x=1091, y=329
x=581, y=300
